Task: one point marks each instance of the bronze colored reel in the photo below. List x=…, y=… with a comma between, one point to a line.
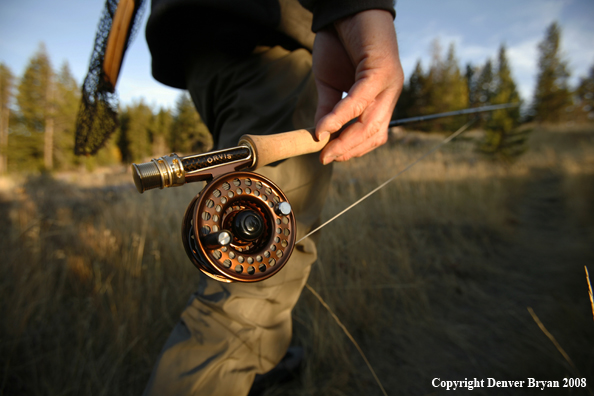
x=240, y=227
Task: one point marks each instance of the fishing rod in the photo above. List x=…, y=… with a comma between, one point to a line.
x=241, y=226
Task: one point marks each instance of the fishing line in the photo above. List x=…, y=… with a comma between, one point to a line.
x=437, y=147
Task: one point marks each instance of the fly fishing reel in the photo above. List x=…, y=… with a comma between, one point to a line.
x=240, y=227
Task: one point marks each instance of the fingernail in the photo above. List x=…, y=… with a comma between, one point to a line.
x=328, y=159
x=323, y=136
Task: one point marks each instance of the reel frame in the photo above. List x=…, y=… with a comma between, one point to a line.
x=214, y=209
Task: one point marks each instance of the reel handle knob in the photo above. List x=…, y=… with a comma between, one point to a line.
x=217, y=239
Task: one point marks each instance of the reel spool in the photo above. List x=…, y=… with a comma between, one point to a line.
x=240, y=227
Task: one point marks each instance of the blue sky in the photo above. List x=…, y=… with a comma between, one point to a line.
x=476, y=27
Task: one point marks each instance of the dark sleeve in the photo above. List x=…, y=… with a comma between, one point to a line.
x=326, y=12
x=179, y=29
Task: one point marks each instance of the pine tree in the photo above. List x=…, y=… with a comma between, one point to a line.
x=502, y=135
x=189, y=134
x=135, y=127
x=485, y=90
x=505, y=92
x=160, y=132
x=552, y=94
x=35, y=99
x=67, y=99
x=6, y=85
x=585, y=97
x=455, y=89
x=447, y=90
x=486, y=84
x=434, y=80
x=471, y=84
x=414, y=97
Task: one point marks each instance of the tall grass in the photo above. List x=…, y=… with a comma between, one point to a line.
x=431, y=276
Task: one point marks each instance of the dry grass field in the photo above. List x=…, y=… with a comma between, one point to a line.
x=433, y=276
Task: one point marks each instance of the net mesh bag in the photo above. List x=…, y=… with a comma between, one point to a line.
x=97, y=116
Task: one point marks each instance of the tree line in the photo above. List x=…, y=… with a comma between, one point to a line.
x=38, y=109
x=38, y=114
x=444, y=86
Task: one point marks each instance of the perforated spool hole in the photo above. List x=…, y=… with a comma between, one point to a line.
x=219, y=208
x=273, y=247
x=217, y=254
x=205, y=230
x=258, y=185
x=227, y=263
x=236, y=182
x=240, y=259
x=216, y=193
x=224, y=200
x=239, y=268
x=267, y=254
x=209, y=203
x=279, y=253
x=264, y=197
x=248, y=182
x=276, y=239
x=272, y=262
x=258, y=258
x=239, y=191
x=251, y=270
x=226, y=186
x=231, y=255
x=230, y=194
x=285, y=220
x=250, y=260
x=268, y=190
x=257, y=193
x=284, y=243
x=248, y=190
x=262, y=267
x=205, y=216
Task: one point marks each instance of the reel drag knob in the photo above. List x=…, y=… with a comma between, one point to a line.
x=239, y=228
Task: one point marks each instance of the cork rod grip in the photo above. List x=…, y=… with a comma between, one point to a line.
x=271, y=148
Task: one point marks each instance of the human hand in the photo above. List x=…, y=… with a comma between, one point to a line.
x=357, y=55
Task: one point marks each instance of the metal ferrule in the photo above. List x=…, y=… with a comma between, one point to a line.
x=167, y=171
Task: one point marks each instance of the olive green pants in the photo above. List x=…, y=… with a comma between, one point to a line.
x=228, y=333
